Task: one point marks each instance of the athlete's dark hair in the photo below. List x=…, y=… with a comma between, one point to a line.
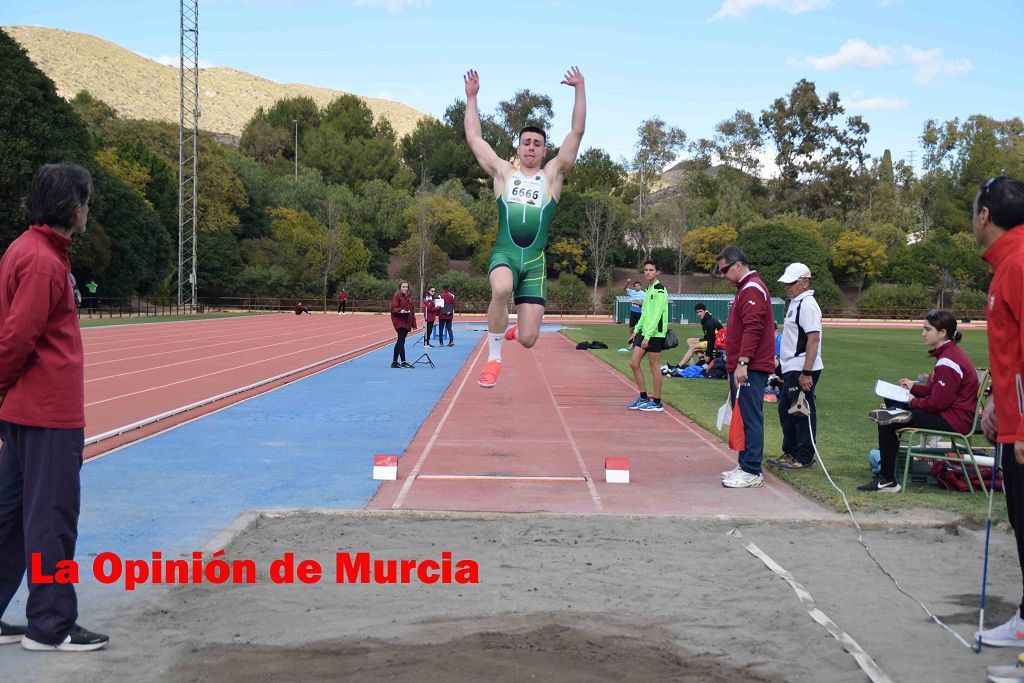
x=55, y=192
x=1004, y=198
x=652, y=263
x=700, y=307
x=534, y=129
x=732, y=254
x=944, y=321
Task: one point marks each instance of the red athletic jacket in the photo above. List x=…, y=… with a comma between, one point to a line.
x=429, y=308
x=42, y=367
x=1005, y=315
x=952, y=389
x=449, y=299
x=751, y=326
x=402, y=302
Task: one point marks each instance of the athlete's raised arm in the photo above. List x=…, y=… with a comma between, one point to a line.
x=486, y=156
x=566, y=157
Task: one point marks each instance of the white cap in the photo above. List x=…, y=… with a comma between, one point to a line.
x=794, y=271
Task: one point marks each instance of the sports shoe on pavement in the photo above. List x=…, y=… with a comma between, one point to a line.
x=652, y=406
x=79, y=640
x=9, y=633
x=1010, y=634
x=510, y=333
x=730, y=473
x=489, y=377
x=880, y=485
x=1005, y=674
x=395, y=364
x=888, y=416
x=408, y=366
x=743, y=480
x=640, y=400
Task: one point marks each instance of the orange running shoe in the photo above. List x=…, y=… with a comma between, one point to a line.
x=489, y=377
x=510, y=333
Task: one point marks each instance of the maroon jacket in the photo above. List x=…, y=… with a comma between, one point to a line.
x=751, y=326
x=1005, y=315
x=407, y=321
x=42, y=366
x=449, y=298
x=952, y=389
x=429, y=308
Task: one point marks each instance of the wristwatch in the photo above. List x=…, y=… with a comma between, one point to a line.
x=806, y=373
x=743, y=362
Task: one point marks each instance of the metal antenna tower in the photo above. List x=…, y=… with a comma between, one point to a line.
x=188, y=152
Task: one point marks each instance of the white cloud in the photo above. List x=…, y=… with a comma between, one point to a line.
x=738, y=8
x=858, y=102
x=855, y=52
x=392, y=6
x=384, y=95
x=933, y=67
x=168, y=60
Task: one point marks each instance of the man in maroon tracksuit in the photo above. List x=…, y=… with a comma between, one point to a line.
x=749, y=359
x=42, y=414
x=998, y=222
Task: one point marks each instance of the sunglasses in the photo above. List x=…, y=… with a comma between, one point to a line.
x=988, y=186
x=725, y=269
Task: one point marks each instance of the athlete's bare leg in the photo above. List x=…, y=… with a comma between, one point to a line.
x=501, y=291
x=638, y=374
x=656, y=378
x=530, y=316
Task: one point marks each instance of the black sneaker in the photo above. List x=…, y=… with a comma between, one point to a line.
x=888, y=416
x=9, y=633
x=407, y=366
x=79, y=640
x=789, y=462
x=395, y=364
x=451, y=343
x=880, y=485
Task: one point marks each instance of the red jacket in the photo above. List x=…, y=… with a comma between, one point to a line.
x=1005, y=315
x=952, y=389
x=42, y=367
x=342, y=296
x=751, y=326
x=429, y=308
x=449, y=299
x=407, y=321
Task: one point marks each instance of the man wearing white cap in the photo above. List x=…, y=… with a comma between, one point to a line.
x=801, y=366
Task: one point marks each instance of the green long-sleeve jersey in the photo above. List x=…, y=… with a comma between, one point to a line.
x=654, y=314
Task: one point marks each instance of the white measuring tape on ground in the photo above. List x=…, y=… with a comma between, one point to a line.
x=864, y=661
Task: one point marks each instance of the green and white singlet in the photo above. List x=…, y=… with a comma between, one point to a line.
x=525, y=211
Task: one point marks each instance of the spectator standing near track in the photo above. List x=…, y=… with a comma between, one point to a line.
x=800, y=358
x=636, y=303
x=445, y=316
x=749, y=359
x=429, y=314
x=649, y=340
x=403, y=317
x=998, y=222
x=42, y=410
x=342, y=301
x=92, y=288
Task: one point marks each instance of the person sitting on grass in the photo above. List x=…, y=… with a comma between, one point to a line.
x=946, y=403
x=703, y=345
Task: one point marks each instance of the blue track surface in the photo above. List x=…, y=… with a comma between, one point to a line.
x=309, y=444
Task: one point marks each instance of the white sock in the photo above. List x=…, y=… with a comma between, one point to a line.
x=494, y=342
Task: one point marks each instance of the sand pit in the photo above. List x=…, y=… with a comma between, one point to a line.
x=565, y=598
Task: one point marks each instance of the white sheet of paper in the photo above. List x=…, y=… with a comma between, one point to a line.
x=893, y=392
x=439, y=303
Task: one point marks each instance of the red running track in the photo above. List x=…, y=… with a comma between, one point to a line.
x=537, y=442
x=134, y=372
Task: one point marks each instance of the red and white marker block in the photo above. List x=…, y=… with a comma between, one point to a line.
x=616, y=470
x=385, y=467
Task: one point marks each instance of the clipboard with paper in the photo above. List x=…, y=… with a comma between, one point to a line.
x=893, y=392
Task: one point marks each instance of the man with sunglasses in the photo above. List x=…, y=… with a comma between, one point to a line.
x=998, y=224
x=42, y=410
x=749, y=359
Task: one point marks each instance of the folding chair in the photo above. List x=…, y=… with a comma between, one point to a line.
x=916, y=442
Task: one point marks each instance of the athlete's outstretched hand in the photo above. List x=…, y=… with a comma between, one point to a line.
x=573, y=77
x=472, y=80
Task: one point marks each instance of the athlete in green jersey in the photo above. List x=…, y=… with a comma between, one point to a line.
x=527, y=197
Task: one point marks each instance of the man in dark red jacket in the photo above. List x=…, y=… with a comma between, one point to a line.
x=749, y=359
x=445, y=316
x=42, y=414
x=998, y=221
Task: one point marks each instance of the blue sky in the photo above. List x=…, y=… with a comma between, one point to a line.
x=690, y=62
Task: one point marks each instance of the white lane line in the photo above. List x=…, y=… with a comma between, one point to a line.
x=572, y=440
x=411, y=477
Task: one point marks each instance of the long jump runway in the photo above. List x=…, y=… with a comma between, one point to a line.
x=537, y=442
